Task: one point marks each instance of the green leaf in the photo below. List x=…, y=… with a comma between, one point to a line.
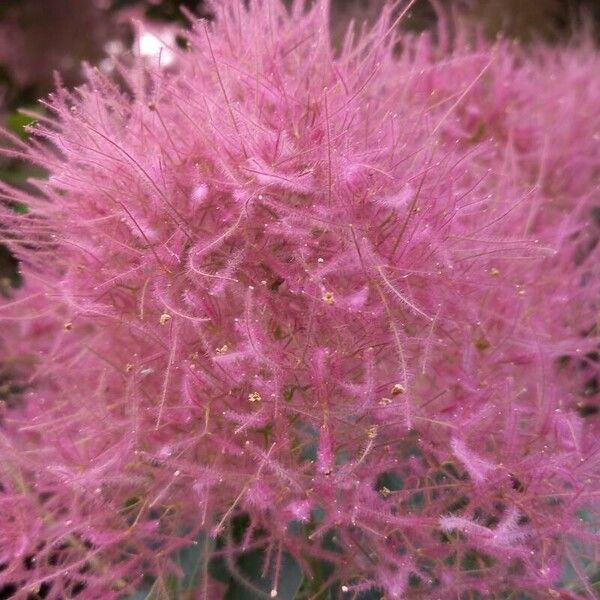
x=141, y=595
x=17, y=123
x=18, y=175
x=250, y=566
x=390, y=481
x=192, y=559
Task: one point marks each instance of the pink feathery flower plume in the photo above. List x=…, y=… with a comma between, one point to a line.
x=350, y=296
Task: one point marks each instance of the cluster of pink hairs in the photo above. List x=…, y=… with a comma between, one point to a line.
x=351, y=295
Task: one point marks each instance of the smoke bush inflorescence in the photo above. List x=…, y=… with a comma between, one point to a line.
x=350, y=297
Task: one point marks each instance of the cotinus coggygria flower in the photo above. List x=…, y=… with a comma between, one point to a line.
x=334, y=309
